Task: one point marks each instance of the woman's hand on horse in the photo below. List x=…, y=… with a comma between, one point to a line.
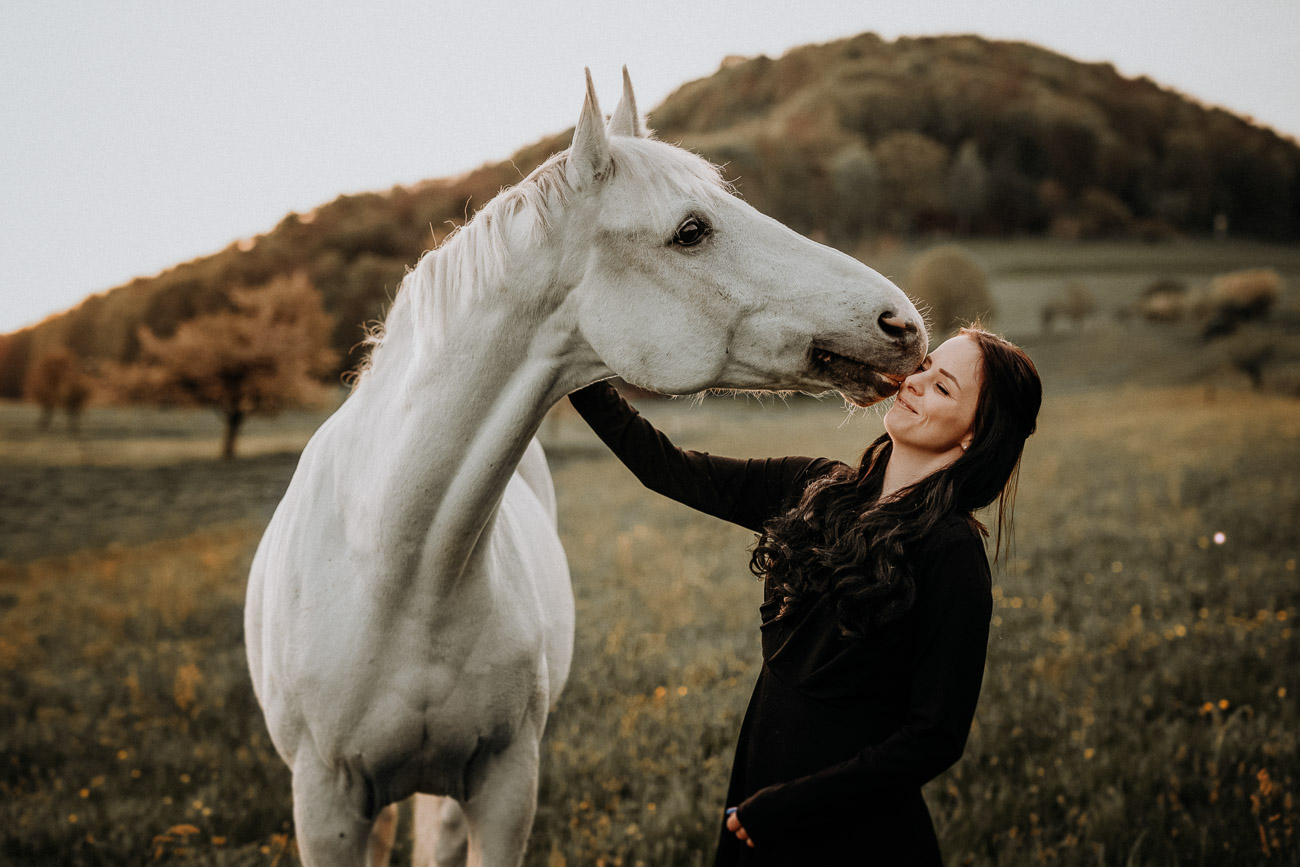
x=734, y=826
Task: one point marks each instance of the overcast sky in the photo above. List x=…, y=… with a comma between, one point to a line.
x=137, y=135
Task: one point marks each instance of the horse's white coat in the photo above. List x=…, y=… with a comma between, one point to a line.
x=409, y=618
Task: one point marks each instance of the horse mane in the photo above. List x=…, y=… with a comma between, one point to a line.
x=471, y=261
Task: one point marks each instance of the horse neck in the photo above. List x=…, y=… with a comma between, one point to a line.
x=449, y=422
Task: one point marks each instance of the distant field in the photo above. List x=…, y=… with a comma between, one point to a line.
x=1025, y=275
x=1140, y=701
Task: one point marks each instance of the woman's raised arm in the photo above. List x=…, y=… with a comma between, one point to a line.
x=744, y=491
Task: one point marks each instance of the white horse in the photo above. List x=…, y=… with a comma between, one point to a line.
x=409, y=618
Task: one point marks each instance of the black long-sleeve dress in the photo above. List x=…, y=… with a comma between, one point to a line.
x=840, y=733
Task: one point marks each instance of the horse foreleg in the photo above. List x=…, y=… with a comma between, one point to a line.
x=440, y=833
x=500, y=810
x=329, y=816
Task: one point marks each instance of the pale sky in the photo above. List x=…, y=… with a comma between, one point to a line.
x=137, y=135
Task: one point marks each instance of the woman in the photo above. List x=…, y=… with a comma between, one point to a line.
x=876, y=604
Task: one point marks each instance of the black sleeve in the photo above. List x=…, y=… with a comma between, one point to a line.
x=745, y=492
x=951, y=641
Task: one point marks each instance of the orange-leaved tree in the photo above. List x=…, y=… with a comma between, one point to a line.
x=268, y=352
x=58, y=380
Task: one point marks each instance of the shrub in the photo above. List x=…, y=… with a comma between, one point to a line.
x=1252, y=350
x=1102, y=214
x=1249, y=294
x=1241, y=296
x=953, y=285
x=1252, y=360
x=1164, y=300
x=1075, y=302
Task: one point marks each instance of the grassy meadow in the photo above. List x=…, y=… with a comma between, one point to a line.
x=1140, y=699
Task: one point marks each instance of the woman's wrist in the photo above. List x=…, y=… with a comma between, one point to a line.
x=601, y=389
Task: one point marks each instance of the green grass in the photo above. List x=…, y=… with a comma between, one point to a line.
x=1118, y=621
x=1139, y=706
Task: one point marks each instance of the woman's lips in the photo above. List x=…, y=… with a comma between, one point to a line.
x=905, y=404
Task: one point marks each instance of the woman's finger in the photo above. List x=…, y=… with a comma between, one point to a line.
x=734, y=826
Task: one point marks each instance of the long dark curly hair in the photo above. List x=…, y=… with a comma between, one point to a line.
x=841, y=539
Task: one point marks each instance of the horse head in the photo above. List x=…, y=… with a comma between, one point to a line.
x=682, y=286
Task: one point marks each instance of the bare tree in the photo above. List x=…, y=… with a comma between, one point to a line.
x=266, y=353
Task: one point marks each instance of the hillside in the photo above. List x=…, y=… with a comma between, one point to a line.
x=846, y=142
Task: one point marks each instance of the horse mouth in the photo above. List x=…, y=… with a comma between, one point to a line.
x=859, y=382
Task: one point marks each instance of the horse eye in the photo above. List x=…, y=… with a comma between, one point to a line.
x=691, y=232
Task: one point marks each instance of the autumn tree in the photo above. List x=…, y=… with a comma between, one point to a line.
x=57, y=381
x=267, y=352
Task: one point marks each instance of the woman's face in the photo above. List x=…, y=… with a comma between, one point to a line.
x=935, y=407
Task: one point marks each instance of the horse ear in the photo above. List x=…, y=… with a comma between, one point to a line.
x=589, y=153
x=625, y=120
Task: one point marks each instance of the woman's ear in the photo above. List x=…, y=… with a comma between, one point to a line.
x=967, y=440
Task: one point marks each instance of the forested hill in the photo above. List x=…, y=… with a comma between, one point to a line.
x=843, y=141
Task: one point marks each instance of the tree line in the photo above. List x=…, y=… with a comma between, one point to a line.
x=845, y=142
x=971, y=136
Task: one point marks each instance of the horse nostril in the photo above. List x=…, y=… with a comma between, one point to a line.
x=894, y=325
